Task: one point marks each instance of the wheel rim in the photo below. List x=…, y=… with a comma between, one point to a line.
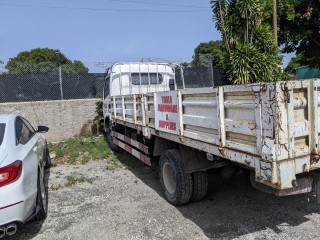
x=43, y=191
x=168, y=178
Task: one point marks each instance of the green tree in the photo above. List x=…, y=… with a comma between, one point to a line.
x=299, y=29
x=252, y=54
x=214, y=51
x=42, y=60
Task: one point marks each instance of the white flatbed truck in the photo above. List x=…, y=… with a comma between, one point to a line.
x=271, y=129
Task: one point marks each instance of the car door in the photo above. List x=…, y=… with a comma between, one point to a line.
x=29, y=149
x=39, y=140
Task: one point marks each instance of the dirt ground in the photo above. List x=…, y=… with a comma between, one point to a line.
x=128, y=203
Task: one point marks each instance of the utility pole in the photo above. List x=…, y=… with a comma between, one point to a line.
x=275, y=23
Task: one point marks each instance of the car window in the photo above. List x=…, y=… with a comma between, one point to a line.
x=2, y=129
x=23, y=131
x=29, y=126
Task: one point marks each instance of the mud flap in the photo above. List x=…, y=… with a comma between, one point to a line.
x=301, y=185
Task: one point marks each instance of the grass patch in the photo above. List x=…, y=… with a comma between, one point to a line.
x=80, y=150
x=73, y=179
x=55, y=187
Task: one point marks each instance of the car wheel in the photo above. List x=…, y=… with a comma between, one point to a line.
x=47, y=159
x=42, y=197
x=176, y=184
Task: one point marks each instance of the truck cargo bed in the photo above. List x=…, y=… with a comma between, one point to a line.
x=269, y=127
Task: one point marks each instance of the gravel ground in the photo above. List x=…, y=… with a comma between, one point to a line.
x=129, y=204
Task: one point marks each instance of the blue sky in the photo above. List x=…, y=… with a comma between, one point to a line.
x=106, y=30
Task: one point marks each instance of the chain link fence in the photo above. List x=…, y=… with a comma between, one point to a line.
x=202, y=73
x=47, y=81
x=41, y=83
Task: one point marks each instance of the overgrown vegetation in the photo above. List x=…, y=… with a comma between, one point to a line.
x=80, y=150
x=99, y=111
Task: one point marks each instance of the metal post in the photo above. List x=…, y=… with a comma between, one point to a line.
x=212, y=77
x=58, y=58
x=60, y=79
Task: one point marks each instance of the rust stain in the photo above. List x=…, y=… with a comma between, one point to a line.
x=223, y=151
x=315, y=157
x=182, y=139
x=314, y=151
x=263, y=88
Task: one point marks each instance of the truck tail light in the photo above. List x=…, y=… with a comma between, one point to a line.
x=10, y=173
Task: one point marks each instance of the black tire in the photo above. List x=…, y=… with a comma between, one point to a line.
x=176, y=184
x=112, y=146
x=47, y=159
x=200, y=186
x=42, y=198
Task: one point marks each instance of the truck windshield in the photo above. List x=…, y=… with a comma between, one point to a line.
x=2, y=128
x=155, y=78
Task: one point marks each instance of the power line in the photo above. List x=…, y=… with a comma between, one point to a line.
x=159, y=4
x=100, y=9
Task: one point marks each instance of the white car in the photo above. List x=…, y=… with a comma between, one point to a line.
x=24, y=157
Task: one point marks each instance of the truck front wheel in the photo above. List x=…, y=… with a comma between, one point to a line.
x=109, y=136
x=176, y=184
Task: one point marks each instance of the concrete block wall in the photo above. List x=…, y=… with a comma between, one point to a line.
x=65, y=118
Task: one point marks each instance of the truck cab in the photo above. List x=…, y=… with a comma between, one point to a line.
x=136, y=78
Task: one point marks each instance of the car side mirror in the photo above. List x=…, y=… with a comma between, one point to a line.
x=42, y=129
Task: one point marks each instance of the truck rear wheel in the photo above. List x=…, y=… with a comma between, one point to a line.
x=111, y=144
x=200, y=186
x=176, y=184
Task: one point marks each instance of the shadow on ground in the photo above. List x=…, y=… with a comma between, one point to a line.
x=31, y=228
x=232, y=207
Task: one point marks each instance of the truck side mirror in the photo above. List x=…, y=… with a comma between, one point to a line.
x=171, y=84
